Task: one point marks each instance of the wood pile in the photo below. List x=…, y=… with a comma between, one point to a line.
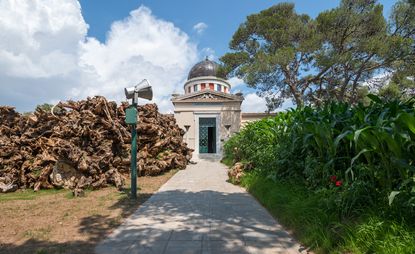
x=237, y=171
x=160, y=142
x=84, y=144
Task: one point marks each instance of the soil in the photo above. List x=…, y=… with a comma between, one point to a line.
x=53, y=221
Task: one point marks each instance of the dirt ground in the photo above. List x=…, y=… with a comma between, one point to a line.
x=53, y=221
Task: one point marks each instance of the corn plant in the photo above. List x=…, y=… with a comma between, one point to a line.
x=372, y=145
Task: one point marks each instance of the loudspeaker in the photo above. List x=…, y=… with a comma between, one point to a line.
x=141, y=90
x=146, y=93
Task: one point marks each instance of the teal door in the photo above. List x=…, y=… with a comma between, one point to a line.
x=207, y=135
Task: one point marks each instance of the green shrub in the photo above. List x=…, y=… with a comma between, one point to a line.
x=316, y=218
x=368, y=148
x=341, y=176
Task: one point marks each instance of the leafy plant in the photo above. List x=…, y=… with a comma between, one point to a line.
x=370, y=148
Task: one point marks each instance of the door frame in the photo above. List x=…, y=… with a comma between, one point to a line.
x=207, y=115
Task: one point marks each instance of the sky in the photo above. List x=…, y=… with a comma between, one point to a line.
x=53, y=50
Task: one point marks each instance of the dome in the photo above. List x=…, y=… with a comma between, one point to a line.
x=203, y=69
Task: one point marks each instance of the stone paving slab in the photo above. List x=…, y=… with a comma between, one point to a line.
x=198, y=211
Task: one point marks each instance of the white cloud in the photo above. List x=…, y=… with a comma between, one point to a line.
x=378, y=81
x=209, y=53
x=253, y=103
x=46, y=55
x=235, y=82
x=39, y=38
x=287, y=104
x=200, y=27
x=140, y=46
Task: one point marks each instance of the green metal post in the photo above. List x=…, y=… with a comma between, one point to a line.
x=133, y=162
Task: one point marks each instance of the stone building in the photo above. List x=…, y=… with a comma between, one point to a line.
x=207, y=110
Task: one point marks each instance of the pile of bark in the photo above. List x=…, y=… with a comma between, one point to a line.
x=237, y=171
x=160, y=142
x=84, y=144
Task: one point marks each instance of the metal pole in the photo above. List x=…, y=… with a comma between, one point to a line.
x=133, y=162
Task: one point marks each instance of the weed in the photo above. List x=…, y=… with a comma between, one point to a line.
x=312, y=221
x=38, y=234
x=340, y=162
x=29, y=194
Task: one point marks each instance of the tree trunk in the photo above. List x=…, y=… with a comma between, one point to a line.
x=299, y=100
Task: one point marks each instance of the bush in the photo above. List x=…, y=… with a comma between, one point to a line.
x=317, y=221
x=369, y=149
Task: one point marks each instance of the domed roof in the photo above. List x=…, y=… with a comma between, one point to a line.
x=204, y=68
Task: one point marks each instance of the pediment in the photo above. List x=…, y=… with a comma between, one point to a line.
x=207, y=96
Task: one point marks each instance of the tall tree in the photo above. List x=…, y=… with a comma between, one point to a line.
x=287, y=55
x=357, y=46
x=272, y=51
x=354, y=35
x=402, y=25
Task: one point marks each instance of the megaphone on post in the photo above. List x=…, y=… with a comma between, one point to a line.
x=141, y=90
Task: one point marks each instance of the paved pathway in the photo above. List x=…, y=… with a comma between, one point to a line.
x=197, y=211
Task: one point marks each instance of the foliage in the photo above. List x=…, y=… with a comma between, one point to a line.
x=398, y=88
x=402, y=24
x=314, y=220
x=377, y=235
x=272, y=48
x=288, y=55
x=48, y=108
x=45, y=107
x=368, y=149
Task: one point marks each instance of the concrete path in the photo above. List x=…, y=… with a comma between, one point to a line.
x=197, y=211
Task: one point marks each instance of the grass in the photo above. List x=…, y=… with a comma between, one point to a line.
x=377, y=235
x=55, y=222
x=315, y=225
x=31, y=195
x=227, y=161
x=38, y=234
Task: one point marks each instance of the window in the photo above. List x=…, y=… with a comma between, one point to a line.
x=195, y=88
x=211, y=86
x=226, y=89
x=203, y=86
x=218, y=88
x=188, y=89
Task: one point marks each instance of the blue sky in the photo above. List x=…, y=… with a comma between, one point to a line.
x=221, y=16
x=53, y=50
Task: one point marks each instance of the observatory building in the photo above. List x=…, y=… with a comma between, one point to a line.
x=207, y=111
